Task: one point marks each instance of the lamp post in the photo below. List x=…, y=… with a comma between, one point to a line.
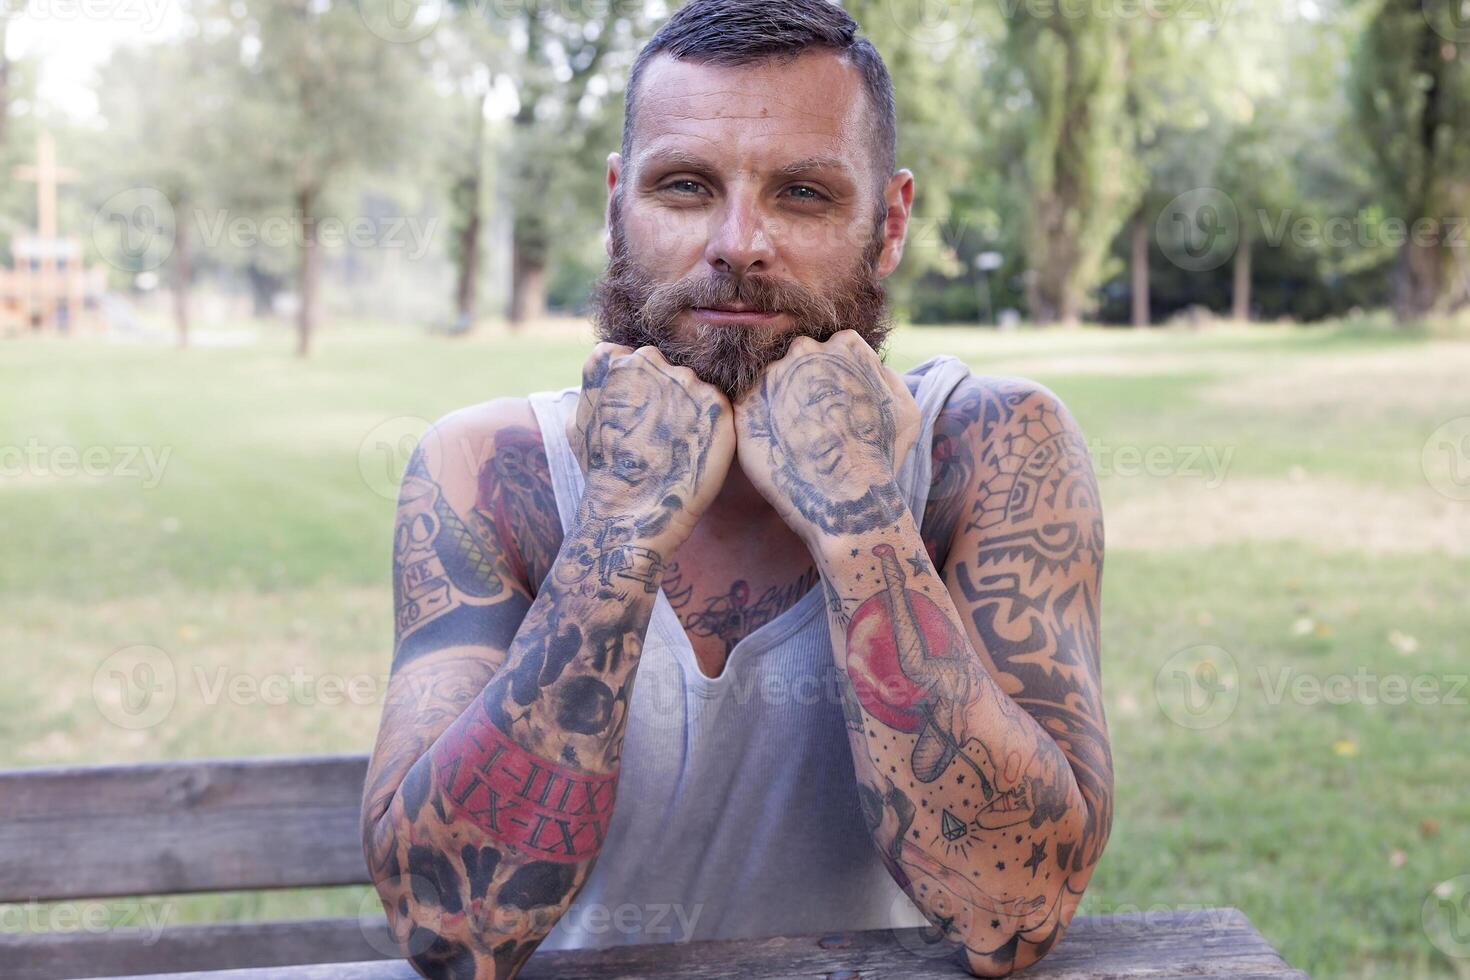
x=986, y=263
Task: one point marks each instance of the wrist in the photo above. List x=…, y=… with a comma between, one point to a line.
x=881, y=514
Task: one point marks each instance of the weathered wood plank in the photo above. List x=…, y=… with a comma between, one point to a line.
x=1211, y=943
x=177, y=827
x=121, y=952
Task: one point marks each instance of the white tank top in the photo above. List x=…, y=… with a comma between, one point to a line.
x=737, y=810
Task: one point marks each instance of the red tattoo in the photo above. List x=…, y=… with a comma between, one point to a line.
x=545, y=809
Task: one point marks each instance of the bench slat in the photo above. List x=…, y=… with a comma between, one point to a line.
x=179, y=827
x=214, y=946
x=1209, y=943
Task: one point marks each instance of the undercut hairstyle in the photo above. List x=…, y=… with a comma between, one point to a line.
x=736, y=33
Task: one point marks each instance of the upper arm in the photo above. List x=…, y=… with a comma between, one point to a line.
x=476, y=522
x=1016, y=496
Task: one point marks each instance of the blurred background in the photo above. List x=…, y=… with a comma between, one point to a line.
x=250, y=249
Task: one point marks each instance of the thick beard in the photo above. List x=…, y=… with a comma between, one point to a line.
x=631, y=308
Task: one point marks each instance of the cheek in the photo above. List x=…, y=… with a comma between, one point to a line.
x=666, y=242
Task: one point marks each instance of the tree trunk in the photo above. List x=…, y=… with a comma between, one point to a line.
x=528, y=270
x=467, y=289
x=183, y=274
x=470, y=197
x=306, y=313
x=1240, y=298
x=1418, y=279
x=1054, y=291
x=1142, y=315
x=4, y=82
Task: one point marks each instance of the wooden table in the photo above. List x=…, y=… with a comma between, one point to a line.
x=1195, y=944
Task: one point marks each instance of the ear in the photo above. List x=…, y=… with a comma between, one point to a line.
x=614, y=175
x=899, y=198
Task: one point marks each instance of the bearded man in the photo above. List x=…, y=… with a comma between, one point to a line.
x=747, y=634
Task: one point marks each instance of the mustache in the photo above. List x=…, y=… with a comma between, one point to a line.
x=760, y=294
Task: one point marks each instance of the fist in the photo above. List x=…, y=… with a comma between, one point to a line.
x=655, y=443
x=824, y=435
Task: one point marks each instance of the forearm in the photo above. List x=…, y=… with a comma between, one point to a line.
x=972, y=804
x=496, y=826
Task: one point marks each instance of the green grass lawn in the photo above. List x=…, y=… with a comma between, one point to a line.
x=1279, y=564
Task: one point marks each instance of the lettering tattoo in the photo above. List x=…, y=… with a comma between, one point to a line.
x=492, y=785
x=732, y=615
x=543, y=809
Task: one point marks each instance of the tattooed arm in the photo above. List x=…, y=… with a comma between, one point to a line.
x=492, y=784
x=977, y=736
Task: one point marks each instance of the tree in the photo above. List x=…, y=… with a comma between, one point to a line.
x=1081, y=177
x=322, y=98
x=561, y=50
x=468, y=55
x=156, y=139
x=1412, y=97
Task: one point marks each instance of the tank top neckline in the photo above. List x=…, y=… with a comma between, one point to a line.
x=913, y=479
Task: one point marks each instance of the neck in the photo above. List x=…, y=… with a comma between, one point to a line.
x=738, y=503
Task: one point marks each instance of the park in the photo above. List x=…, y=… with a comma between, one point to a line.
x=1242, y=265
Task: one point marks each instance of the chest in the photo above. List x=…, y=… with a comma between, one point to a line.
x=721, y=593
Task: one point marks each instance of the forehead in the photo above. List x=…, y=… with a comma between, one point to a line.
x=753, y=115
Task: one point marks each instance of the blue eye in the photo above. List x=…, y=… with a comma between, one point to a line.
x=685, y=186
x=804, y=193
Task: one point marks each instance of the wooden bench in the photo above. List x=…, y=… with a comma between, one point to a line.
x=106, y=832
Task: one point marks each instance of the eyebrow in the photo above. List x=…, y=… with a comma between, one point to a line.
x=815, y=164
x=665, y=159
x=668, y=159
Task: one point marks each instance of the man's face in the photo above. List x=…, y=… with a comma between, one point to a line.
x=751, y=211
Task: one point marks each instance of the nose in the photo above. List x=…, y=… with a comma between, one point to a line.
x=739, y=242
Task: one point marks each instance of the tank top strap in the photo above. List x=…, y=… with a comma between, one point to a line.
x=941, y=374
x=552, y=410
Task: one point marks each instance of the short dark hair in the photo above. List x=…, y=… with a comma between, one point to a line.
x=743, y=32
